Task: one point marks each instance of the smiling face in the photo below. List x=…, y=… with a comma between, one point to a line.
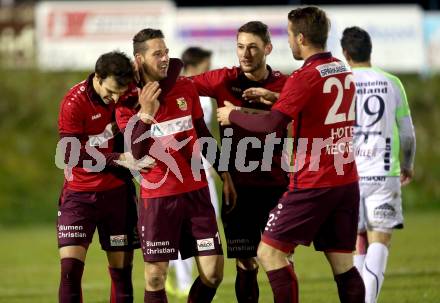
x=108, y=89
x=251, y=52
x=155, y=59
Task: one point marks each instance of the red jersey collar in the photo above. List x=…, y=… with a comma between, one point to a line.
x=269, y=78
x=323, y=55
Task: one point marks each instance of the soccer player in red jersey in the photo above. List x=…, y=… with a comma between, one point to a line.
x=321, y=205
x=258, y=188
x=175, y=213
x=95, y=193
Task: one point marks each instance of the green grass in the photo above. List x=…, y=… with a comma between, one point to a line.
x=29, y=268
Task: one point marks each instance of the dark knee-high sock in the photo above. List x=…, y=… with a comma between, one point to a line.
x=70, y=284
x=122, y=287
x=158, y=296
x=201, y=293
x=246, y=285
x=284, y=284
x=351, y=287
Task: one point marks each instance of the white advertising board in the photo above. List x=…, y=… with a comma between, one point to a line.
x=71, y=35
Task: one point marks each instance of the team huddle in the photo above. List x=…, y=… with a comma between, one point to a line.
x=337, y=185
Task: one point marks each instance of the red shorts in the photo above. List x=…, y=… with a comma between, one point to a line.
x=112, y=211
x=327, y=217
x=185, y=222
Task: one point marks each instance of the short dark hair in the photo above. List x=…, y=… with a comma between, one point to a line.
x=194, y=56
x=145, y=35
x=357, y=43
x=115, y=64
x=313, y=23
x=256, y=28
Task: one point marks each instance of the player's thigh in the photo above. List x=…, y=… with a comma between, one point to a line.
x=73, y=251
x=339, y=262
x=383, y=237
x=384, y=206
x=272, y=258
x=118, y=219
x=339, y=231
x=120, y=259
x=77, y=218
x=199, y=234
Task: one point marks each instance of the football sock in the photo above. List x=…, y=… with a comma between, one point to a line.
x=284, y=284
x=201, y=293
x=158, y=296
x=374, y=270
x=358, y=261
x=122, y=287
x=246, y=285
x=350, y=287
x=70, y=283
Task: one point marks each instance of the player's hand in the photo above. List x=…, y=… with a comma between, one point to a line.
x=148, y=99
x=223, y=113
x=406, y=176
x=143, y=165
x=260, y=95
x=229, y=193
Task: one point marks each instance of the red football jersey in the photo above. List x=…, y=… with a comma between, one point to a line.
x=320, y=99
x=228, y=84
x=84, y=115
x=175, y=142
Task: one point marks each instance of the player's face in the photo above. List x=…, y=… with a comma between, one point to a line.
x=155, y=60
x=109, y=90
x=294, y=42
x=251, y=52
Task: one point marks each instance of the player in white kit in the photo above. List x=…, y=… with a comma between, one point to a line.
x=383, y=131
x=195, y=61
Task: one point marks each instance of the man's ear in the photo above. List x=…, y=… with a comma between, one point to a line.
x=98, y=78
x=268, y=49
x=300, y=39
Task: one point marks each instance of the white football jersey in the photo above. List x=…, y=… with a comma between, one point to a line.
x=380, y=104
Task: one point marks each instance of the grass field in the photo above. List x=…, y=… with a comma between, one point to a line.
x=29, y=269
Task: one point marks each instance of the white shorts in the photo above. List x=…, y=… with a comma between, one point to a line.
x=380, y=204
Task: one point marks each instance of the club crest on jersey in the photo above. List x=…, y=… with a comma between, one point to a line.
x=181, y=103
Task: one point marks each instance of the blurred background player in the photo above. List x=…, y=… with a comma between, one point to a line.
x=101, y=199
x=322, y=202
x=195, y=61
x=383, y=128
x=259, y=190
x=175, y=214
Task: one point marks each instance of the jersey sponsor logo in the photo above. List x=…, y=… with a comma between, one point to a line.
x=97, y=116
x=384, y=211
x=205, y=244
x=106, y=135
x=333, y=68
x=171, y=127
x=181, y=103
x=118, y=240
